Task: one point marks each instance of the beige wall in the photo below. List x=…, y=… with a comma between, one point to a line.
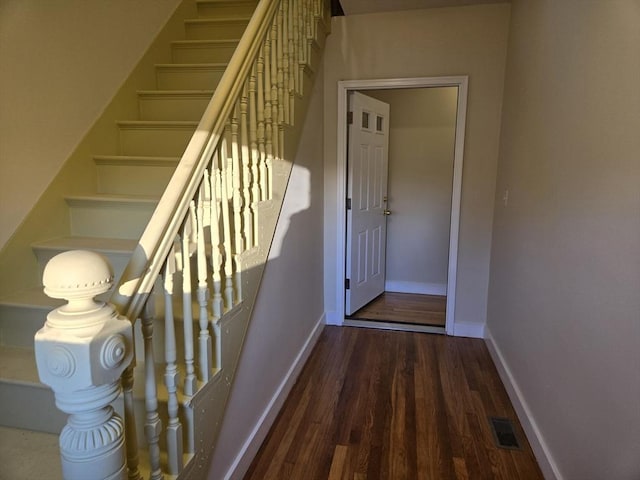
x=420, y=43
x=62, y=61
x=421, y=143
x=564, y=301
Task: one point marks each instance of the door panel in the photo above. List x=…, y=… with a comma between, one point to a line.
x=368, y=147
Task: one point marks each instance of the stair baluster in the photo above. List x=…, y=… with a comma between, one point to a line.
x=254, y=152
x=225, y=181
x=131, y=434
x=204, y=339
x=291, y=87
x=260, y=130
x=152, y=424
x=268, y=122
x=236, y=189
x=216, y=246
x=247, y=215
x=171, y=376
x=190, y=381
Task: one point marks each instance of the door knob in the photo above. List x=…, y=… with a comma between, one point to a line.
x=386, y=212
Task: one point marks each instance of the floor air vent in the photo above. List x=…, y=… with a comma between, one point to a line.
x=503, y=433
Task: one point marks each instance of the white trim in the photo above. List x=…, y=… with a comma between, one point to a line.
x=341, y=156
x=416, y=287
x=404, y=327
x=333, y=318
x=250, y=448
x=468, y=329
x=548, y=466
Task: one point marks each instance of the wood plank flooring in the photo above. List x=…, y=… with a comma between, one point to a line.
x=405, y=308
x=373, y=404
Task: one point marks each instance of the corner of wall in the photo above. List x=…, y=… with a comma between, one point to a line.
x=540, y=449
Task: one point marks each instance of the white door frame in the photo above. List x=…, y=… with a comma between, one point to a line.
x=395, y=83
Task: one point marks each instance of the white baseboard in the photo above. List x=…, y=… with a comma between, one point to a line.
x=468, y=329
x=540, y=449
x=250, y=448
x=416, y=287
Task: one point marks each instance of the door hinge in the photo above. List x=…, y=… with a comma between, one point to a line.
x=349, y=118
x=347, y=284
x=348, y=204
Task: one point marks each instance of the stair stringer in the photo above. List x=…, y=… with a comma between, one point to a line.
x=49, y=218
x=209, y=403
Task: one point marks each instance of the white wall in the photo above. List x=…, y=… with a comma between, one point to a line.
x=421, y=43
x=62, y=61
x=288, y=314
x=422, y=129
x=564, y=301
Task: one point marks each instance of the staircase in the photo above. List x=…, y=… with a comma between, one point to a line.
x=186, y=222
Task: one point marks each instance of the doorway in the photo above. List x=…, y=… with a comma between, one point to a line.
x=441, y=292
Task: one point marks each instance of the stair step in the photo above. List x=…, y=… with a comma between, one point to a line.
x=222, y=8
x=215, y=29
x=22, y=315
x=155, y=138
x=173, y=104
x=110, y=216
x=203, y=51
x=27, y=454
x=117, y=250
x=26, y=403
x=130, y=175
x=189, y=76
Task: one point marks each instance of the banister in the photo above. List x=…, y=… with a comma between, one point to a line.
x=157, y=239
x=207, y=242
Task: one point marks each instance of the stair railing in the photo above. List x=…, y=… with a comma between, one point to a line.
x=191, y=251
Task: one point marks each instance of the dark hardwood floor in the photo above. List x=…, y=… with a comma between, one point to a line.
x=373, y=404
x=405, y=308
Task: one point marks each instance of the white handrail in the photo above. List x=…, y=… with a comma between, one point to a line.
x=157, y=239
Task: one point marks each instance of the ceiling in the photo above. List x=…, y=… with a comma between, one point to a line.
x=354, y=7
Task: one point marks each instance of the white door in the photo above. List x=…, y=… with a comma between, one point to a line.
x=367, y=159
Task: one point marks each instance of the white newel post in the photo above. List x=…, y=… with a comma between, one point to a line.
x=81, y=353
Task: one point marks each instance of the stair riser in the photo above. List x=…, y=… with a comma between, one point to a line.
x=31, y=407
x=111, y=221
x=215, y=30
x=18, y=325
x=155, y=141
x=203, y=53
x=226, y=9
x=173, y=108
x=133, y=180
x=188, y=78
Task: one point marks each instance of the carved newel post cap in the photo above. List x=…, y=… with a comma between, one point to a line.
x=77, y=276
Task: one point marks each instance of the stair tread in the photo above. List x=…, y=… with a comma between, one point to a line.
x=105, y=197
x=134, y=159
x=27, y=454
x=242, y=18
x=205, y=42
x=157, y=123
x=231, y=2
x=185, y=66
x=33, y=297
x=97, y=244
x=176, y=93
